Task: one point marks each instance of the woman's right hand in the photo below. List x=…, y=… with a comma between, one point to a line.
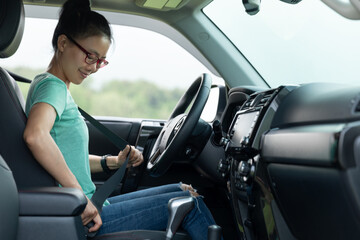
x=91, y=214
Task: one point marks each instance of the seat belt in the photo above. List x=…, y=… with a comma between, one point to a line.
x=109, y=185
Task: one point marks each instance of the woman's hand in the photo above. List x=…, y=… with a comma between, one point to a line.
x=186, y=187
x=135, y=158
x=91, y=214
x=115, y=162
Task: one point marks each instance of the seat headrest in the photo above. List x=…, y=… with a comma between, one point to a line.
x=12, y=18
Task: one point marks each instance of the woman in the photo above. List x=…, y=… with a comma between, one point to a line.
x=58, y=137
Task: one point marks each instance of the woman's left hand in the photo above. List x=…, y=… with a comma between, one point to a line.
x=135, y=158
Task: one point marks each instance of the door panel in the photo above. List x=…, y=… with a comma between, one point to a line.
x=140, y=133
x=136, y=132
x=98, y=142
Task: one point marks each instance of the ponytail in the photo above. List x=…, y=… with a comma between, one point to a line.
x=77, y=20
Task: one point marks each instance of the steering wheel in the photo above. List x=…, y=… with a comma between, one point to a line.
x=178, y=128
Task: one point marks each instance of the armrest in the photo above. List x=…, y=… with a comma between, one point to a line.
x=52, y=201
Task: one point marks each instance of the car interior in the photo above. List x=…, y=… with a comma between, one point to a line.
x=275, y=162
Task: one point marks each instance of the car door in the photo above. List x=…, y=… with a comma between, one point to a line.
x=136, y=132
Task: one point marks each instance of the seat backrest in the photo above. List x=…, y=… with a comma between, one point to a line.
x=26, y=170
x=11, y=26
x=9, y=203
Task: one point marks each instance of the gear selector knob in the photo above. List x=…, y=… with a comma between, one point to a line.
x=178, y=208
x=214, y=232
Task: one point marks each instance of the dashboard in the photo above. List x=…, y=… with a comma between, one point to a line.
x=244, y=132
x=291, y=161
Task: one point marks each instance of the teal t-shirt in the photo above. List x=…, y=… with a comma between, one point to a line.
x=69, y=131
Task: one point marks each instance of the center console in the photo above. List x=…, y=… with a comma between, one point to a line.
x=242, y=147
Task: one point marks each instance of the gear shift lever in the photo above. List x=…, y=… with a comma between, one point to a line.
x=214, y=232
x=178, y=208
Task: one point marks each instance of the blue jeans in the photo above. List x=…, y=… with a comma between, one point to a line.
x=147, y=210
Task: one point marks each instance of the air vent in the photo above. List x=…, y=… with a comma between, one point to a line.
x=248, y=102
x=259, y=100
x=265, y=99
x=357, y=108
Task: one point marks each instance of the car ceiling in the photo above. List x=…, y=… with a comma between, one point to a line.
x=141, y=7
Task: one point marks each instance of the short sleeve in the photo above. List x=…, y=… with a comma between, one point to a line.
x=52, y=92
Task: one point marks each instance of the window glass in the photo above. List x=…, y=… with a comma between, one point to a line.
x=292, y=43
x=146, y=76
x=211, y=106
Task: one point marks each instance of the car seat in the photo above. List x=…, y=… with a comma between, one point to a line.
x=12, y=116
x=9, y=205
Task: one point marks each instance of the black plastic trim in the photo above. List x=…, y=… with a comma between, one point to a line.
x=52, y=201
x=307, y=145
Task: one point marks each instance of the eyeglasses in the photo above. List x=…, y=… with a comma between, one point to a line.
x=90, y=57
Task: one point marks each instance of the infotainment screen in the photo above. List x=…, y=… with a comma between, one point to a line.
x=242, y=127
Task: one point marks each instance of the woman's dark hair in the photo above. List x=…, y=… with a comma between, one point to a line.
x=77, y=20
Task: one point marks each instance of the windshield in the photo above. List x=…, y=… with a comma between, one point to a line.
x=292, y=44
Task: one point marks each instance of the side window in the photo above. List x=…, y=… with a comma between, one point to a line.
x=146, y=76
x=211, y=106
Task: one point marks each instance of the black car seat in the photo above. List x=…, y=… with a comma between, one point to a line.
x=9, y=203
x=12, y=117
x=27, y=172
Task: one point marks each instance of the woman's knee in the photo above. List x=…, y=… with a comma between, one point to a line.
x=187, y=187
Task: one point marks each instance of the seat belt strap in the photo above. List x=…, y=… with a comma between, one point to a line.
x=109, y=185
x=115, y=139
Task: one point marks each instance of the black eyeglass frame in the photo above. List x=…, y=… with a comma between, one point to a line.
x=90, y=58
